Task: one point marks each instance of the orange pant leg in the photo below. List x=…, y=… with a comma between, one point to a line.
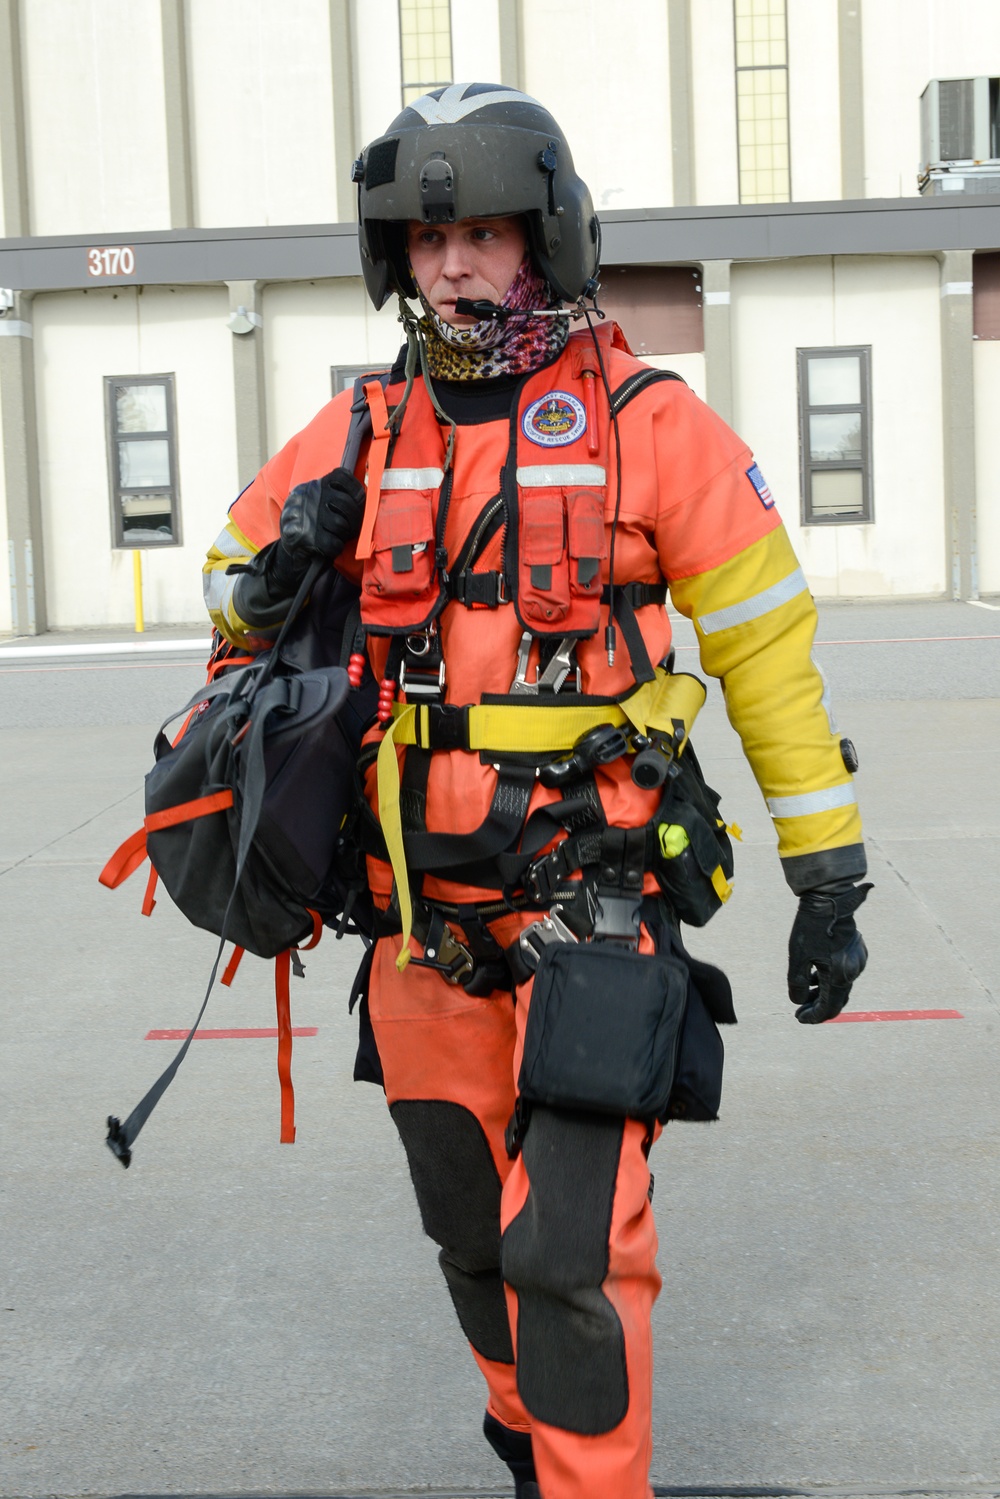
x=447, y=1061
x=579, y=1241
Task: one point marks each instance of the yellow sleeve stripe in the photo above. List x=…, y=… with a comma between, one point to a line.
x=753, y=608
x=756, y=620
x=733, y=584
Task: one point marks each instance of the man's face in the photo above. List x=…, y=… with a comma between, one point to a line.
x=476, y=258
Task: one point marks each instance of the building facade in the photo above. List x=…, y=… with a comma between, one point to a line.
x=180, y=288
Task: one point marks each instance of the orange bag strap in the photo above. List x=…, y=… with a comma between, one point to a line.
x=377, y=454
x=232, y=965
x=282, y=968
x=124, y=861
x=129, y=855
x=202, y=806
x=148, y=903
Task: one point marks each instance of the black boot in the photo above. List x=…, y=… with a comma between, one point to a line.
x=513, y=1448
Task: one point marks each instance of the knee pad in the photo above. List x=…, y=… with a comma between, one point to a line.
x=571, y=1368
x=458, y=1193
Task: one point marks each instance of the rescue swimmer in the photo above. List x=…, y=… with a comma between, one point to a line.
x=529, y=494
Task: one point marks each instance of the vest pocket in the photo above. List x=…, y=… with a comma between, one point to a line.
x=586, y=540
x=545, y=589
x=403, y=553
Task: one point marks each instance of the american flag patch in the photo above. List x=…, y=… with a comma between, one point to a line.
x=760, y=484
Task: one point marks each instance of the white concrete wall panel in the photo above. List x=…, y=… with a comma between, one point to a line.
x=95, y=119
x=309, y=326
x=814, y=100
x=262, y=111
x=377, y=78
x=6, y=620
x=475, y=41
x=986, y=367
x=905, y=45
x=893, y=305
x=79, y=338
x=690, y=367
x=713, y=64
x=605, y=77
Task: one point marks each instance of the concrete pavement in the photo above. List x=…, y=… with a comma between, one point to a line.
x=232, y=1316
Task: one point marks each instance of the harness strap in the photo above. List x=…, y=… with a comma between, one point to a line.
x=477, y=590
x=547, y=728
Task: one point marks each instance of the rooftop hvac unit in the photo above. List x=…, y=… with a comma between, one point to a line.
x=960, y=135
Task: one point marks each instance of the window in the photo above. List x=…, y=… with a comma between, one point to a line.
x=425, y=46
x=762, y=100
x=142, y=460
x=343, y=376
x=835, y=435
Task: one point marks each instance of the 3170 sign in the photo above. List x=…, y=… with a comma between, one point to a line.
x=113, y=260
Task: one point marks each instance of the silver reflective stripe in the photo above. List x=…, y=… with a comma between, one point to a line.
x=227, y=544
x=412, y=478
x=753, y=608
x=453, y=104
x=217, y=589
x=824, y=701
x=812, y=801
x=546, y=475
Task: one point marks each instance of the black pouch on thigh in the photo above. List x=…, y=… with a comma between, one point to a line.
x=603, y=1030
x=697, y=1087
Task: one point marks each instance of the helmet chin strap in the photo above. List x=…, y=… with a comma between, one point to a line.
x=416, y=352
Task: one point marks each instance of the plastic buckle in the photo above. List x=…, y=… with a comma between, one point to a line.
x=540, y=934
x=617, y=918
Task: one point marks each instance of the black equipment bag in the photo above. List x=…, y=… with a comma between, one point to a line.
x=250, y=815
x=287, y=759
x=603, y=1029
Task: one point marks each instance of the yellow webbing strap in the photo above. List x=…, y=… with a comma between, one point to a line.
x=532, y=728
x=387, y=772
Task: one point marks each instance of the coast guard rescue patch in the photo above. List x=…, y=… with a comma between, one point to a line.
x=555, y=420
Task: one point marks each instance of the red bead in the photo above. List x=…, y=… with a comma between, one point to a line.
x=356, y=669
x=386, y=698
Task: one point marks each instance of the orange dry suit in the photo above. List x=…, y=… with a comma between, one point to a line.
x=485, y=599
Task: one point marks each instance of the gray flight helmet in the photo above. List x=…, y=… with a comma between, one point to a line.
x=475, y=150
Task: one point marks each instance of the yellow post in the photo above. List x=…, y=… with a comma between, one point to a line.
x=140, y=623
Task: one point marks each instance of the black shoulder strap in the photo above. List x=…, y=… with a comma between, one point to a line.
x=637, y=382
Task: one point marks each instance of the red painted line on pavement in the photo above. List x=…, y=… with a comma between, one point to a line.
x=14, y=671
x=265, y=1033
x=858, y=1015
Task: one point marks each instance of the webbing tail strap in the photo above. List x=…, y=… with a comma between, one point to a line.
x=428, y=850
x=282, y=967
x=377, y=454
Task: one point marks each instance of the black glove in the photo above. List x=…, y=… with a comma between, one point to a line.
x=318, y=520
x=826, y=952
